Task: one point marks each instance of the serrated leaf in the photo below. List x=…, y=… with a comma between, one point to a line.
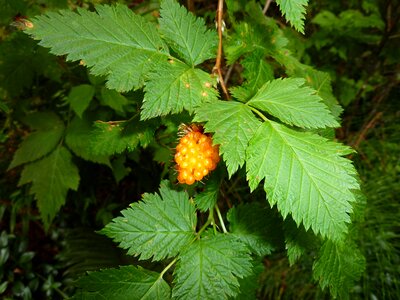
x=49, y=129
x=293, y=104
x=210, y=267
x=250, y=284
x=256, y=72
x=297, y=240
x=112, y=41
x=79, y=132
x=159, y=226
x=113, y=99
x=338, y=266
x=305, y=175
x=187, y=35
x=109, y=138
x=294, y=12
x=125, y=283
x=174, y=87
x=233, y=125
x=51, y=178
x=208, y=197
x=79, y=98
x=253, y=225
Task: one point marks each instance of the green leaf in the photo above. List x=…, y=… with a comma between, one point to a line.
x=253, y=225
x=159, y=226
x=305, y=175
x=338, y=266
x=49, y=129
x=113, y=99
x=79, y=132
x=297, y=240
x=256, y=72
x=187, y=35
x=233, y=125
x=51, y=178
x=112, y=41
x=293, y=104
x=209, y=196
x=79, y=98
x=174, y=87
x=125, y=283
x=210, y=268
x=294, y=12
x=249, y=285
x=109, y=138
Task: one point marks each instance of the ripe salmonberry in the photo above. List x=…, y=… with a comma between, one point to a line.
x=195, y=155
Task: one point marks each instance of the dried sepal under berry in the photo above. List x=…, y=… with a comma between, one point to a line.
x=195, y=155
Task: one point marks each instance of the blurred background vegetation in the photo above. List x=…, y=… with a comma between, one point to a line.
x=357, y=42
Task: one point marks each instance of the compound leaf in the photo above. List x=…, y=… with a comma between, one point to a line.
x=293, y=104
x=159, y=226
x=233, y=125
x=186, y=34
x=112, y=41
x=49, y=129
x=210, y=267
x=294, y=12
x=338, y=266
x=79, y=98
x=125, y=283
x=175, y=87
x=51, y=178
x=305, y=175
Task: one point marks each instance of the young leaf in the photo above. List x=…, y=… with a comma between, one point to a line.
x=110, y=138
x=51, y=178
x=305, y=175
x=256, y=72
x=233, y=125
x=209, y=268
x=49, y=129
x=125, y=283
x=79, y=98
x=112, y=41
x=255, y=226
x=209, y=196
x=293, y=104
x=174, y=87
x=186, y=34
x=338, y=266
x=79, y=132
x=294, y=12
x=113, y=99
x=159, y=226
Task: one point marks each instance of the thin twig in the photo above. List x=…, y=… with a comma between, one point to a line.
x=267, y=4
x=371, y=124
x=218, y=62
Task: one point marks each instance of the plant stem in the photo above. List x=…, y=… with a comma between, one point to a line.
x=267, y=4
x=259, y=113
x=217, y=67
x=220, y=219
x=167, y=267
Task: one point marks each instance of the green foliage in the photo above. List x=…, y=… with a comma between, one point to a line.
x=51, y=178
x=48, y=131
x=233, y=125
x=276, y=135
x=292, y=104
x=158, y=227
x=317, y=192
x=294, y=12
x=338, y=266
x=137, y=283
x=186, y=34
x=210, y=267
